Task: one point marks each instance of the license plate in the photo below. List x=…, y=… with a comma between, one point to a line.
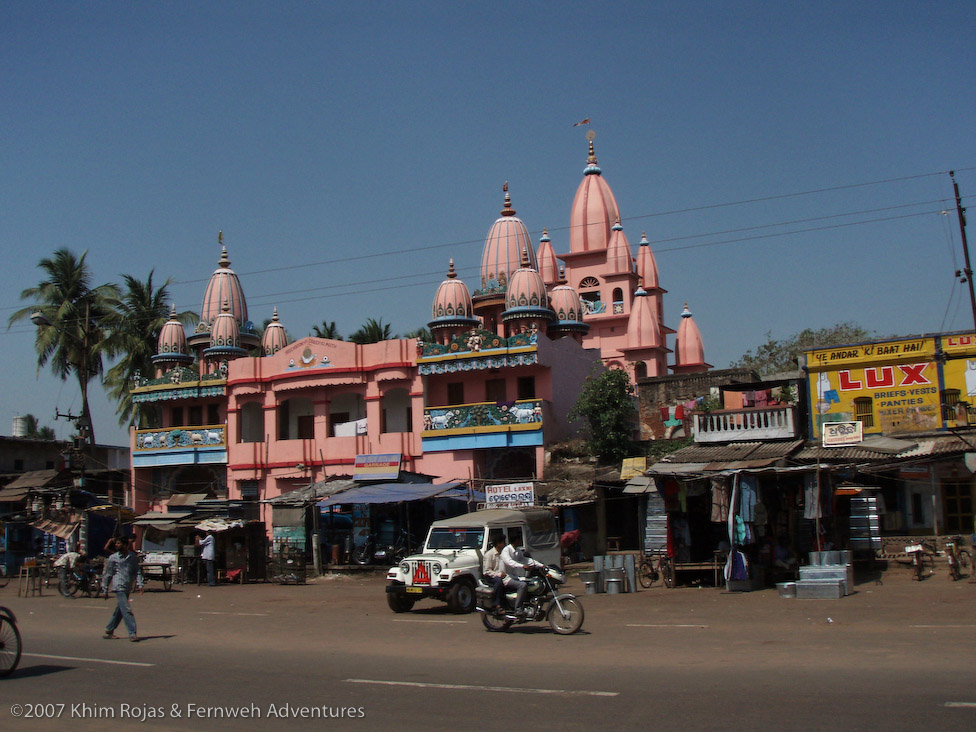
x=415, y=590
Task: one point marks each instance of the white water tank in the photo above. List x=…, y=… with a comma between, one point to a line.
x=20, y=427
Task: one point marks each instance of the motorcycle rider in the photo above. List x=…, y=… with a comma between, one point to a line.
x=492, y=570
x=513, y=560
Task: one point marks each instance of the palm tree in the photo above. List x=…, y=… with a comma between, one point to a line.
x=326, y=330
x=37, y=432
x=138, y=315
x=69, y=314
x=421, y=334
x=372, y=331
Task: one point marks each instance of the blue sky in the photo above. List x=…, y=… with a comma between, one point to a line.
x=347, y=150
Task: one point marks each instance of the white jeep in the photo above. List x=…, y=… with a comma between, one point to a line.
x=449, y=568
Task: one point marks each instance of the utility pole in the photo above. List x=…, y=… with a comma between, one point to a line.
x=968, y=272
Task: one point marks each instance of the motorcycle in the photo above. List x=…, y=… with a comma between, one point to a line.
x=371, y=552
x=563, y=611
x=81, y=579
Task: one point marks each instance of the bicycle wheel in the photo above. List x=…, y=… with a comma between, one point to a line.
x=69, y=587
x=646, y=574
x=9, y=646
x=965, y=559
x=667, y=571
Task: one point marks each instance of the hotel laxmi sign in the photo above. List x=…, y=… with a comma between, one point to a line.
x=842, y=434
x=510, y=495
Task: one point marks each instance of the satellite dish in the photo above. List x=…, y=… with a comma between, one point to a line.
x=590, y=135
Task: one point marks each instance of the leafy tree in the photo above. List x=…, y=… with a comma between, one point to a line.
x=70, y=315
x=606, y=402
x=134, y=324
x=776, y=356
x=372, y=331
x=37, y=432
x=326, y=330
x=421, y=334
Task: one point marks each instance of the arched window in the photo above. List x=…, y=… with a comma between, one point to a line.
x=347, y=415
x=589, y=282
x=618, y=301
x=251, y=423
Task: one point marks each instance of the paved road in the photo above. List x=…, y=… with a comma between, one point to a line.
x=894, y=656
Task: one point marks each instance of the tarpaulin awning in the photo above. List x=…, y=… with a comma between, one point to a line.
x=13, y=495
x=396, y=493
x=62, y=528
x=220, y=524
x=186, y=499
x=157, y=520
x=120, y=513
x=34, y=479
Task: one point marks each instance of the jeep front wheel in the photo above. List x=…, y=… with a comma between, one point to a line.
x=461, y=597
x=398, y=603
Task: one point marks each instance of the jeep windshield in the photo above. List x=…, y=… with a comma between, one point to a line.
x=447, y=538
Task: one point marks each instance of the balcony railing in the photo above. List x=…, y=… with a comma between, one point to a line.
x=176, y=438
x=482, y=417
x=740, y=425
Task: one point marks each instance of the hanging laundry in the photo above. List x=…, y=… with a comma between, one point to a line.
x=748, y=497
x=720, y=499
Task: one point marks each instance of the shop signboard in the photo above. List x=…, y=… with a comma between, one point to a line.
x=892, y=386
x=510, y=495
x=377, y=467
x=842, y=434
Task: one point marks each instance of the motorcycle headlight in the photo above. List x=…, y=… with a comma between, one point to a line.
x=435, y=568
x=405, y=567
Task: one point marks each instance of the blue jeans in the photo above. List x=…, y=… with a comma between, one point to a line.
x=123, y=612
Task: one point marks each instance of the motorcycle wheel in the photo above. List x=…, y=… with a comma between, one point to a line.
x=573, y=620
x=495, y=623
x=398, y=603
x=361, y=556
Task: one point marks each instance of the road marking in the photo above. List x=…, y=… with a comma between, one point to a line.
x=215, y=612
x=90, y=607
x=473, y=687
x=663, y=625
x=969, y=705
x=419, y=620
x=942, y=626
x=92, y=660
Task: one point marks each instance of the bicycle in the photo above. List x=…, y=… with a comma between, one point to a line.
x=655, y=567
x=922, y=560
x=9, y=642
x=957, y=557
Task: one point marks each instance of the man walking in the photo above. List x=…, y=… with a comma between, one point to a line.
x=121, y=573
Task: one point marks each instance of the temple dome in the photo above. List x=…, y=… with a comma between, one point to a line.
x=225, y=336
x=689, y=351
x=171, y=345
x=643, y=329
x=548, y=264
x=594, y=210
x=568, y=308
x=506, y=241
x=452, y=303
x=527, y=296
x=647, y=265
x=275, y=338
x=224, y=287
x=619, y=258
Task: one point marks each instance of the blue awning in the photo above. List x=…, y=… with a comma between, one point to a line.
x=396, y=493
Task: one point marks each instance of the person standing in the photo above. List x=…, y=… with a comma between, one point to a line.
x=206, y=545
x=121, y=574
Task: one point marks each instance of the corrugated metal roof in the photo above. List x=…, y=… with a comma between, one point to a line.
x=923, y=447
x=733, y=452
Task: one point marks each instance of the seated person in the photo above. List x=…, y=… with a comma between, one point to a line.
x=782, y=556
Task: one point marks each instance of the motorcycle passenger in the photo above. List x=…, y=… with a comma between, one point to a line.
x=513, y=560
x=492, y=570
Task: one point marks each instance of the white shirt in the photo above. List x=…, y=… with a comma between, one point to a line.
x=207, y=547
x=491, y=566
x=67, y=560
x=513, y=561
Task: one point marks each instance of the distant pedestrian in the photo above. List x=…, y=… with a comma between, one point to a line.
x=121, y=574
x=207, y=555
